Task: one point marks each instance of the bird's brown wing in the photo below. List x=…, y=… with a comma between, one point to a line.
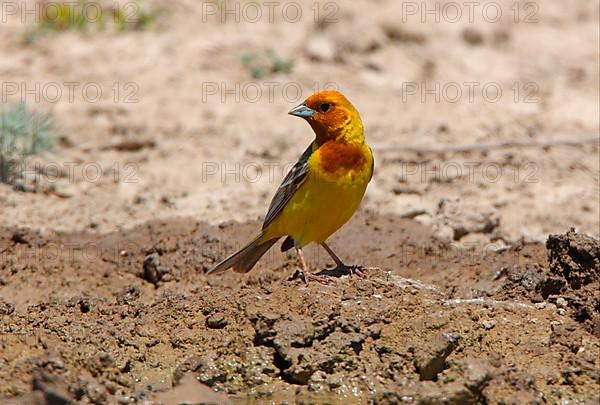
x=292, y=181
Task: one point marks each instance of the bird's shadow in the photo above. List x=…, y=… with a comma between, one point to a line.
x=337, y=272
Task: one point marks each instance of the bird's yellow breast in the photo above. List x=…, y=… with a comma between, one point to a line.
x=336, y=183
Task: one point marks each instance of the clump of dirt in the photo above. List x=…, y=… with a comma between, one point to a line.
x=568, y=278
x=575, y=257
x=141, y=321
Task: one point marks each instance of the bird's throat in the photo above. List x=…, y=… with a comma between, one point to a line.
x=352, y=132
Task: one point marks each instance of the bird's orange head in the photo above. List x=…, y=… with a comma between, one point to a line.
x=331, y=116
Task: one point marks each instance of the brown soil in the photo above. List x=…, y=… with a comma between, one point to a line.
x=126, y=316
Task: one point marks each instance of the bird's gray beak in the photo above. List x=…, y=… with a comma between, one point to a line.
x=302, y=111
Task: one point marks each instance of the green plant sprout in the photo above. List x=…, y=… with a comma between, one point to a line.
x=23, y=132
x=260, y=66
x=66, y=16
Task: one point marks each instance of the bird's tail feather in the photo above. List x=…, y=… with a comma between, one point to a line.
x=244, y=260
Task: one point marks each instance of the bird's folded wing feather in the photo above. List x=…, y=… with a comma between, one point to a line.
x=292, y=181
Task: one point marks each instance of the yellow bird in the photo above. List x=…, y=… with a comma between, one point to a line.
x=321, y=192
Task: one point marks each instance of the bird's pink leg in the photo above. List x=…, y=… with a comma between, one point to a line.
x=354, y=269
x=305, y=274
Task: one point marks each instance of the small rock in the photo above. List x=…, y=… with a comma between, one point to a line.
x=216, y=321
x=561, y=302
x=574, y=256
x=430, y=358
x=84, y=305
x=154, y=270
x=487, y=325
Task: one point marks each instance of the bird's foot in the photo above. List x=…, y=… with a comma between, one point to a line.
x=354, y=269
x=307, y=276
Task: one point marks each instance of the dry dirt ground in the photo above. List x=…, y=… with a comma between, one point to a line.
x=104, y=245
x=132, y=316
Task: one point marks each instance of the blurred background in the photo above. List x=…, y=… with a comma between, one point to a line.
x=114, y=113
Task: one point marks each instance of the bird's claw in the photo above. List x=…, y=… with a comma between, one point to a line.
x=308, y=276
x=355, y=269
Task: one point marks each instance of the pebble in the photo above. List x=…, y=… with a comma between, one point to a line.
x=154, y=269
x=84, y=305
x=561, y=302
x=488, y=324
x=216, y=321
x=430, y=358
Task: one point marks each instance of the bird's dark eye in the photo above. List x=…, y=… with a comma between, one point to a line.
x=325, y=107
